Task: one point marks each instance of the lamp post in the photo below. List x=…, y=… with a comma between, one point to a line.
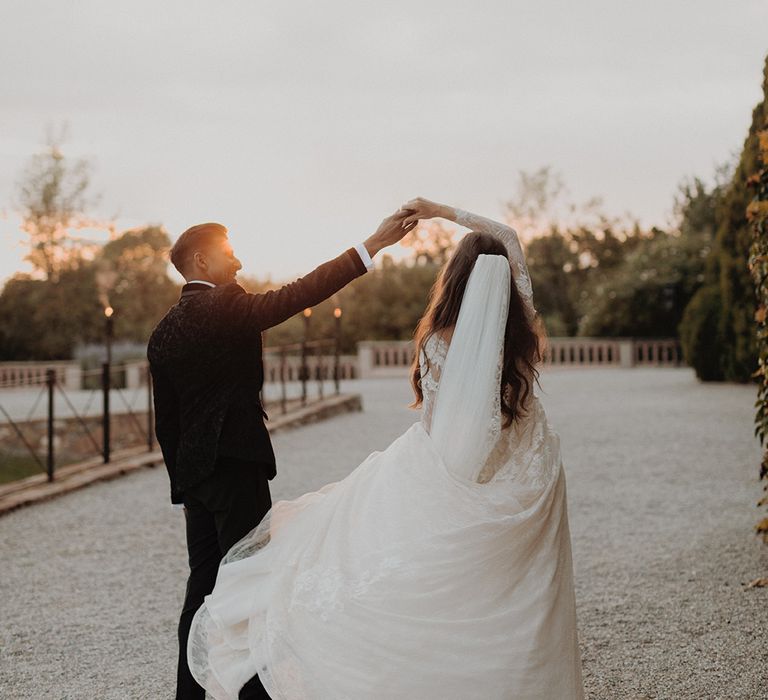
x=50, y=380
x=109, y=313
x=337, y=350
x=304, y=370
x=106, y=370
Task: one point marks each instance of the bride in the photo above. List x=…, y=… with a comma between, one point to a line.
x=441, y=567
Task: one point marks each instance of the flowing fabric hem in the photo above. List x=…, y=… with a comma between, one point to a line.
x=263, y=660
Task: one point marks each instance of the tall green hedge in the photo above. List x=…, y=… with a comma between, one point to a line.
x=757, y=213
x=717, y=331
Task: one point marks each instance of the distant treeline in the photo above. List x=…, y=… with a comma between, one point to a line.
x=597, y=277
x=587, y=281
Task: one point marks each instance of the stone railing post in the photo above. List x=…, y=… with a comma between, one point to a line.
x=365, y=359
x=627, y=353
x=73, y=377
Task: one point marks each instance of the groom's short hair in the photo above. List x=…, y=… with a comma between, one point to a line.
x=193, y=239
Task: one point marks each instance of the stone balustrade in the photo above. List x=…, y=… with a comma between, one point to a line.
x=26, y=374
x=381, y=358
x=393, y=358
x=318, y=367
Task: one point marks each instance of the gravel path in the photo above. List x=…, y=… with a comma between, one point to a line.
x=662, y=482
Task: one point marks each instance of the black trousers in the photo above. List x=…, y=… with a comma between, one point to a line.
x=219, y=511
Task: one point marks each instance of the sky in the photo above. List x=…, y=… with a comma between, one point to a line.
x=300, y=125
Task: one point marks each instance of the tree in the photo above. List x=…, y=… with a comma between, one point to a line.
x=52, y=197
x=432, y=242
x=658, y=275
x=132, y=274
x=541, y=203
x=647, y=294
x=384, y=304
x=551, y=261
x=728, y=287
x=571, y=249
x=46, y=320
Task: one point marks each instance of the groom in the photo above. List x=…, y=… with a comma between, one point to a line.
x=205, y=357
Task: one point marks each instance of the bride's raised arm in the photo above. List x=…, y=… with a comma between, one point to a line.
x=424, y=209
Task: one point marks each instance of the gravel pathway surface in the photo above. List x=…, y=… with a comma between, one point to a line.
x=662, y=485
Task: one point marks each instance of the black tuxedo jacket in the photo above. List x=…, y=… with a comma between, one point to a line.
x=205, y=357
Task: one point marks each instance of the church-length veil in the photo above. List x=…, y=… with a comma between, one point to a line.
x=408, y=578
x=466, y=417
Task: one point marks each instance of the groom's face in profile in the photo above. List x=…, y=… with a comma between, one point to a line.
x=216, y=263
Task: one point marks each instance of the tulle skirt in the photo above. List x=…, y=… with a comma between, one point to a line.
x=402, y=581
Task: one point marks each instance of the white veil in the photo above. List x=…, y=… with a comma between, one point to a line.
x=466, y=418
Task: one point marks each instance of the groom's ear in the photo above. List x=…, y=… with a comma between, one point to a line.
x=198, y=257
x=197, y=237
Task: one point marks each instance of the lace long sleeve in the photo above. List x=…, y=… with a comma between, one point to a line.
x=431, y=361
x=508, y=236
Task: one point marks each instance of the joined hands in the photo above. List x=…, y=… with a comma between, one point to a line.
x=393, y=228
x=421, y=208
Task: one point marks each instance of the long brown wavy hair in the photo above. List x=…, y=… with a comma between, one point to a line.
x=523, y=342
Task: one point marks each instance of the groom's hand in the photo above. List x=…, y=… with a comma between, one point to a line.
x=390, y=231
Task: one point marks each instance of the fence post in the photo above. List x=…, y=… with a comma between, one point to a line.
x=105, y=385
x=283, y=397
x=319, y=369
x=150, y=415
x=50, y=380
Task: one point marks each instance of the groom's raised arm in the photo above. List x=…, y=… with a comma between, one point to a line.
x=261, y=311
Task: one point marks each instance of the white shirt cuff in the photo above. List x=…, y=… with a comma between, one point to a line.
x=365, y=256
x=177, y=506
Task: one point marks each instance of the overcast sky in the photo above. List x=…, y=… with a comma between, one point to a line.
x=299, y=125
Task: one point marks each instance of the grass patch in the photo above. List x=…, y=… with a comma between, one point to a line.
x=13, y=467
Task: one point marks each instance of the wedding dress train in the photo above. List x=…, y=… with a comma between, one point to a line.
x=439, y=569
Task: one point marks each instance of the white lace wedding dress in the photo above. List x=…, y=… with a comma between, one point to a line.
x=439, y=569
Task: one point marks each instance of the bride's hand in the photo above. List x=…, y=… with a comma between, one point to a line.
x=420, y=208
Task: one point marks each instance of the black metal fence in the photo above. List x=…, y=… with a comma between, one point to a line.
x=70, y=429
x=60, y=426
x=318, y=363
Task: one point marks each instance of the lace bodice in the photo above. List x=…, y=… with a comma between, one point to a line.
x=514, y=439
x=508, y=236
